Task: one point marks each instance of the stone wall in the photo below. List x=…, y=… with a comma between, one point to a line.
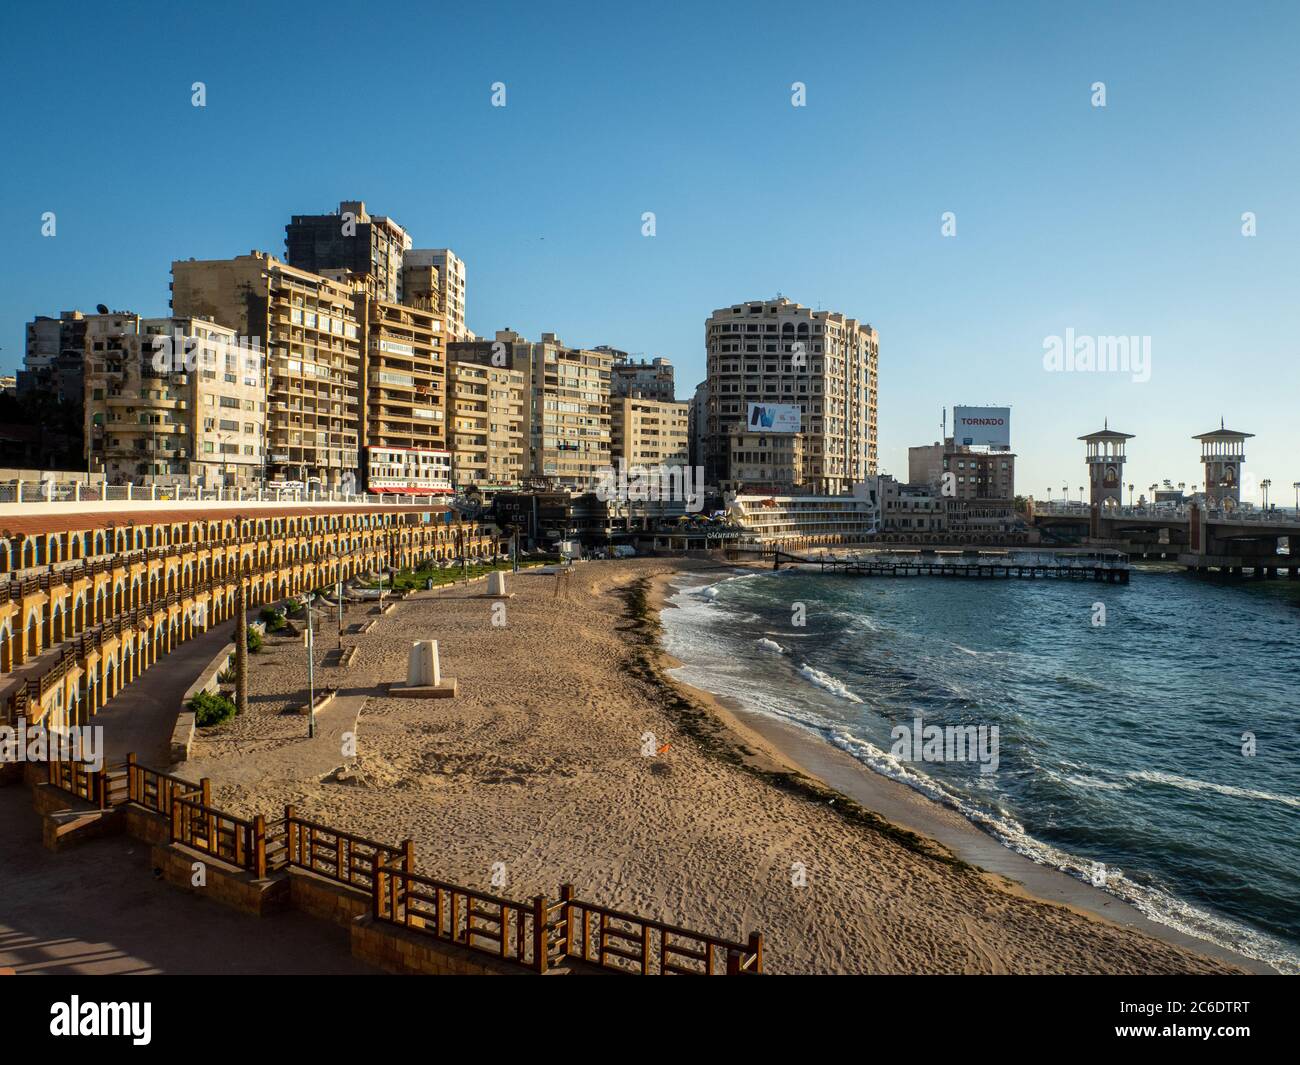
x=399, y=950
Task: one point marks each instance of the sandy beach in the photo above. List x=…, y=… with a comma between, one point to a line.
x=538, y=765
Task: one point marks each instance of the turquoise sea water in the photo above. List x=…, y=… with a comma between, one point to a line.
x=1120, y=746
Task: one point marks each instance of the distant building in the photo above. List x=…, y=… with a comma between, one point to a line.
x=912, y=510
x=173, y=401
x=566, y=417
x=569, y=422
x=807, y=519
x=776, y=352
x=491, y=413
x=765, y=462
x=308, y=327
x=54, y=359
x=8, y=385
x=487, y=415
x=976, y=474
x=370, y=246
x=451, y=272
x=698, y=419
x=405, y=433
x=640, y=380
x=647, y=432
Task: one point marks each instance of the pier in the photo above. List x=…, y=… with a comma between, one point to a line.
x=1105, y=570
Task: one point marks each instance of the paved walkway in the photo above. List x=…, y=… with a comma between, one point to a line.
x=96, y=908
x=141, y=716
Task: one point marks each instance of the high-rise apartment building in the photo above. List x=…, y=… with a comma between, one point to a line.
x=173, y=401
x=567, y=410
x=308, y=327
x=488, y=404
x=648, y=432
x=491, y=403
x=370, y=246
x=451, y=273
x=569, y=419
x=778, y=352
x=404, y=419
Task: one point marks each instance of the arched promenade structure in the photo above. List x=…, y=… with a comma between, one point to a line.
x=92, y=596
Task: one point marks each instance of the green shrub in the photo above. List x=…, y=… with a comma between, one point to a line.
x=210, y=709
x=254, y=640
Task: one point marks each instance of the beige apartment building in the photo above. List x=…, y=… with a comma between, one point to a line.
x=647, y=432
x=764, y=462
x=406, y=445
x=451, y=288
x=488, y=417
x=777, y=352
x=173, y=401
x=308, y=326
x=976, y=474
x=569, y=417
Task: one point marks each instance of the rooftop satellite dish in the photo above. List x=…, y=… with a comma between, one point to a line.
x=101, y=308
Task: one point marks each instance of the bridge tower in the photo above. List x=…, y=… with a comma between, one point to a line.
x=1106, y=465
x=1222, y=452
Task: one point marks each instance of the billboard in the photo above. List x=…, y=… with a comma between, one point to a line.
x=980, y=426
x=773, y=418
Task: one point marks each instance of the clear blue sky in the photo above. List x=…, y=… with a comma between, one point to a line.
x=1123, y=220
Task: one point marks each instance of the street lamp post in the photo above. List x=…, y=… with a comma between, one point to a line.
x=1266, y=484
x=311, y=672
x=1296, y=486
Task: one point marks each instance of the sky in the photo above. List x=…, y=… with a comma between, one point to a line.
x=1122, y=220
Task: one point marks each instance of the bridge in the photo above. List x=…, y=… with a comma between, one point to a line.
x=1204, y=539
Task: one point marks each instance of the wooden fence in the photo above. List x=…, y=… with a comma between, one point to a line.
x=535, y=934
x=337, y=855
x=486, y=923
x=154, y=790
x=631, y=944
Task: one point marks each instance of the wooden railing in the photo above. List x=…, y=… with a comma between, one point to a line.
x=337, y=855
x=220, y=835
x=489, y=924
x=631, y=944
x=154, y=790
x=91, y=785
x=533, y=934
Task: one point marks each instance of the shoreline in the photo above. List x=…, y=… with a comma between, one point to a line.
x=539, y=769
x=788, y=748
